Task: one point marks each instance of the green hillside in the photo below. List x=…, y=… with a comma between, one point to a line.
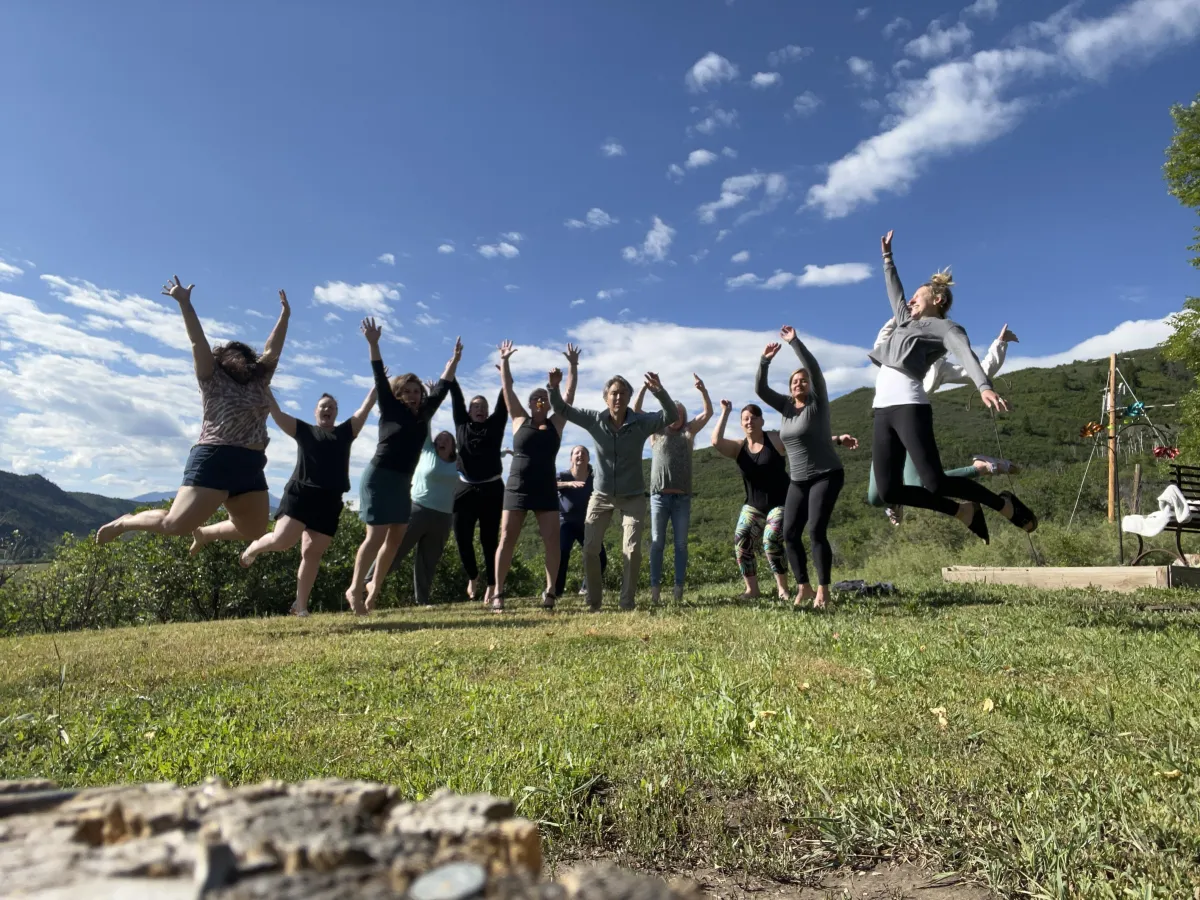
x=42, y=512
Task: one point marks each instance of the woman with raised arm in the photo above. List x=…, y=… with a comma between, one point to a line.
x=226, y=466
x=620, y=436
x=385, y=491
x=904, y=418
x=533, y=476
x=479, y=498
x=760, y=456
x=312, y=499
x=945, y=371
x=816, y=470
x=671, y=488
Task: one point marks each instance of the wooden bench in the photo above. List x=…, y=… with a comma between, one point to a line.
x=1187, y=479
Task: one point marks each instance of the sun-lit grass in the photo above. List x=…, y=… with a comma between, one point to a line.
x=1042, y=742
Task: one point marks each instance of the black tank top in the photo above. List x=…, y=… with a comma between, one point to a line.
x=535, y=453
x=764, y=475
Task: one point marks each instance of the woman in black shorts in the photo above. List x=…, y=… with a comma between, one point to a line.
x=312, y=499
x=533, y=476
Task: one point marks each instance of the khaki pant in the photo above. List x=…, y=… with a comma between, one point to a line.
x=601, y=508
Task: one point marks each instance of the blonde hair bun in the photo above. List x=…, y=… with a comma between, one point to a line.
x=942, y=278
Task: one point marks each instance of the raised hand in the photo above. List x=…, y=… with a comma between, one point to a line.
x=458, y=348
x=554, y=378
x=653, y=385
x=849, y=441
x=699, y=382
x=1007, y=336
x=886, y=242
x=770, y=350
x=572, y=355
x=177, y=292
x=283, y=301
x=507, y=349
x=726, y=407
x=371, y=331
x=430, y=384
x=992, y=400
x=788, y=333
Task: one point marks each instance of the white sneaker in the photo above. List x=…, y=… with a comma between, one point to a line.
x=998, y=466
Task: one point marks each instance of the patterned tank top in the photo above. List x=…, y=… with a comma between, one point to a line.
x=234, y=414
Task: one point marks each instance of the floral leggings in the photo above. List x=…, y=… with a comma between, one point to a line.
x=752, y=526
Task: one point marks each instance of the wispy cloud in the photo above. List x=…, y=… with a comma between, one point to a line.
x=766, y=79
x=332, y=317
x=512, y=288
x=813, y=276
x=938, y=42
x=729, y=153
x=977, y=95
x=740, y=257
x=370, y=298
x=896, y=25
x=789, y=54
x=861, y=13
x=388, y=259
x=8, y=271
x=501, y=248
x=698, y=158
x=426, y=319
x=578, y=301
x=805, y=104
x=446, y=248
x=675, y=172
x=983, y=9
x=655, y=247
x=595, y=218
x=611, y=148
x=862, y=69
x=708, y=71
x=715, y=120
x=736, y=190
x=610, y=293
x=514, y=237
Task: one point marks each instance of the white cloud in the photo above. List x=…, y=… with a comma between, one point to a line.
x=722, y=234
x=861, y=13
x=612, y=148
x=514, y=237
x=610, y=293
x=718, y=118
x=420, y=305
x=427, y=320
x=595, y=218
x=699, y=254
x=332, y=317
x=698, y=158
x=897, y=24
x=368, y=298
x=740, y=257
x=938, y=42
x=675, y=172
x=963, y=104
x=491, y=251
x=8, y=271
x=984, y=9
x=766, y=79
x=511, y=288
x=789, y=54
x=814, y=276
x=806, y=104
x=735, y=191
x=711, y=69
x=729, y=153
x=1131, y=335
x=862, y=69
x=388, y=259
x=656, y=245
x=446, y=248
x=579, y=301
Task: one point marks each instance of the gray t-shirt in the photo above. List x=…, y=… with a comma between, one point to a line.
x=805, y=433
x=671, y=462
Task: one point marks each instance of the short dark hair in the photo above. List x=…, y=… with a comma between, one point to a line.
x=755, y=409
x=330, y=396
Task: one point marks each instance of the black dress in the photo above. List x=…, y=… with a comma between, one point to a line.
x=533, y=476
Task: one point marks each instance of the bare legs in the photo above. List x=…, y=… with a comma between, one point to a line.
x=249, y=515
x=510, y=530
x=367, y=552
x=548, y=525
x=192, y=507
x=393, y=537
x=313, y=545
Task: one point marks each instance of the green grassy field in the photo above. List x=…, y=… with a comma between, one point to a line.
x=1042, y=743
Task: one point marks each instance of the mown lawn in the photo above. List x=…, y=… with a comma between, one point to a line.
x=1042, y=743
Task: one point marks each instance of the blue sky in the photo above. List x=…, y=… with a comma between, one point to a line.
x=332, y=150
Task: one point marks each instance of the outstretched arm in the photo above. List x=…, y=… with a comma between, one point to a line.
x=670, y=412
x=275, y=339
x=725, y=446
x=807, y=361
x=773, y=399
x=698, y=423
x=452, y=363
x=891, y=278
x=458, y=405
x=286, y=423
x=519, y=414
x=500, y=412
x=562, y=408
x=641, y=397
x=957, y=343
x=202, y=357
x=388, y=402
x=359, y=419
x=572, y=355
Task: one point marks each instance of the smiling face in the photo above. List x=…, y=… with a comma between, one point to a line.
x=799, y=384
x=923, y=304
x=410, y=395
x=444, y=445
x=326, y=411
x=478, y=409
x=752, y=420
x=580, y=457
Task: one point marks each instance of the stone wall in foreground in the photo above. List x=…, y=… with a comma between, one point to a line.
x=316, y=839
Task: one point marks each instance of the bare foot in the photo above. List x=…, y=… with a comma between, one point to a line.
x=354, y=598
x=247, y=558
x=749, y=595
x=111, y=531
x=370, y=599
x=473, y=588
x=821, y=600
x=198, y=542
x=804, y=596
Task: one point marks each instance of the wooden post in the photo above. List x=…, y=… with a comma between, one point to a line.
x=1112, y=437
x=1137, y=488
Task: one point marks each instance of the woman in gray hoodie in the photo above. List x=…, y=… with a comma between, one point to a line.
x=904, y=418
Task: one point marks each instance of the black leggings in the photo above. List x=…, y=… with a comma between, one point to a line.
x=811, y=503
x=910, y=428
x=482, y=504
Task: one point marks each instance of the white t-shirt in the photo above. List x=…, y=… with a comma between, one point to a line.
x=896, y=388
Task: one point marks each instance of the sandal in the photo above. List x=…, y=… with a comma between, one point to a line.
x=498, y=603
x=978, y=525
x=548, y=600
x=1022, y=516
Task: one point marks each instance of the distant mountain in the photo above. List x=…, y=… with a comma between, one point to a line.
x=42, y=511
x=162, y=496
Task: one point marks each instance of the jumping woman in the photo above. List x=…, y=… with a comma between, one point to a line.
x=760, y=456
x=385, y=491
x=816, y=470
x=533, y=476
x=904, y=418
x=311, y=504
x=479, y=498
x=226, y=466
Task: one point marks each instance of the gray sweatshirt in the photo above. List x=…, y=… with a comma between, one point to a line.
x=618, y=461
x=806, y=433
x=917, y=344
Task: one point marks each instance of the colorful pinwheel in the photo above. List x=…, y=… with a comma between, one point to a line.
x=1090, y=430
